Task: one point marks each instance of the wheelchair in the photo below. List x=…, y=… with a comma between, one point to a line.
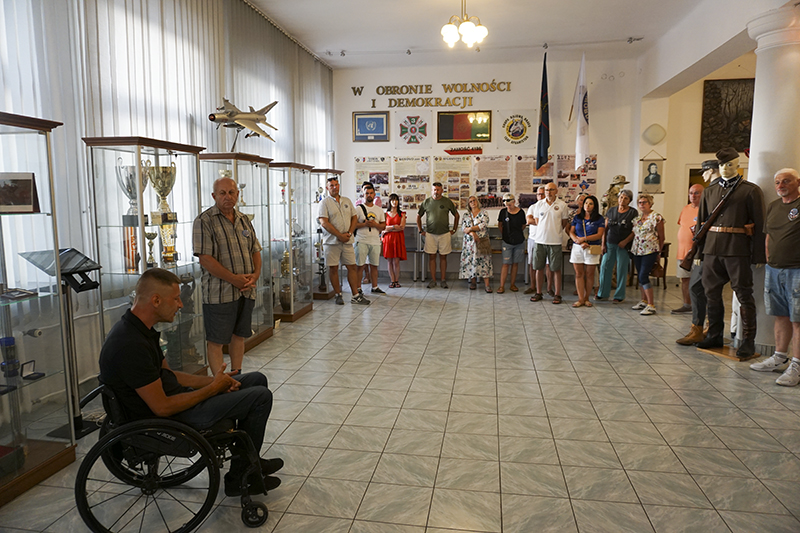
x=159, y=474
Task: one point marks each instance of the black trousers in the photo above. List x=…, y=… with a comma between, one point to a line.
x=719, y=270
x=697, y=295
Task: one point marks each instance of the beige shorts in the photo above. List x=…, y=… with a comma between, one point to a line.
x=440, y=244
x=341, y=252
x=683, y=273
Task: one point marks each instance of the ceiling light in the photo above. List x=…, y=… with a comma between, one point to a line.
x=469, y=29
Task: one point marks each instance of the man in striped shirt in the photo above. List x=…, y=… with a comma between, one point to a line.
x=230, y=256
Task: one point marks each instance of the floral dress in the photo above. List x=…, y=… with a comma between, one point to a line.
x=474, y=264
x=645, y=234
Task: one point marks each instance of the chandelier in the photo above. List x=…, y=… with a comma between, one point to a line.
x=469, y=29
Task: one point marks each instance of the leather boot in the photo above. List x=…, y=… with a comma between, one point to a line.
x=695, y=335
x=711, y=342
x=746, y=349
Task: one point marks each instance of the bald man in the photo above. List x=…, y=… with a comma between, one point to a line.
x=230, y=256
x=133, y=366
x=687, y=222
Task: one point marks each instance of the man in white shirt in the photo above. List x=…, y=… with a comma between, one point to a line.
x=550, y=217
x=532, y=243
x=371, y=222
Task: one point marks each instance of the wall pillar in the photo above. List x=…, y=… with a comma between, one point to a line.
x=775, y=132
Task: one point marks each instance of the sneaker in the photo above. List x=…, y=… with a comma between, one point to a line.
x=770, y=364
x=432, y=284
x=648, y=310
x=641, y=305
x=682, y=310
x=444, y=285
x=338, y=300
x=377, y=290
x=790, y=376
x=359, y=299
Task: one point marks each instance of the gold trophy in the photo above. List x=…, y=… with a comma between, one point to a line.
x=126, y=178
x=163, y=179
x=151, y=237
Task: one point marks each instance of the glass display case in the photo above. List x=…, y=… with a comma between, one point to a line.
x=34, y=391
x=251, y=173
x=319, y=180
x=291, y=206
x=146, y=197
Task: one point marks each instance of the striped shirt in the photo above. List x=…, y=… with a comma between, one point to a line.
x=233, y=245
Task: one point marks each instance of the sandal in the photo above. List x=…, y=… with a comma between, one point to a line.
x=577, y=304
x=588, y=304
x=536, y=297
x=514, y=288
x=473, y=285
x=489, y=289
x=501, y=290
x=557, y=299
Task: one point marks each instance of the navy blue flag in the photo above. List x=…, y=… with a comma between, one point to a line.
x=543, y=140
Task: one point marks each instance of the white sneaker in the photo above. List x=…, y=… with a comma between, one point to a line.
x=641, y=305
x=770, y=364
x=790, y=376
x=648, y=310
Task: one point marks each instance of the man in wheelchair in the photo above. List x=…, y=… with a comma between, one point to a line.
x=133, y=365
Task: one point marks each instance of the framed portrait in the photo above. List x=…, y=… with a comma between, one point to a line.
x=370, y=126
x=651, y=176
x=727, y=114
x=18, y=193
x=464, y=126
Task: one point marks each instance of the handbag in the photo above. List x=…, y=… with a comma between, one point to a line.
x=484, y=245
x=658, y=269
x=594, y=249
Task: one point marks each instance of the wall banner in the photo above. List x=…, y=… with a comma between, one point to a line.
x=516, y=129
x=413, y=130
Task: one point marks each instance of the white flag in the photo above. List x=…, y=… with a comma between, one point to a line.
x=580, y=105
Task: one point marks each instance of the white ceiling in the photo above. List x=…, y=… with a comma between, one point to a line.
x=378, y=33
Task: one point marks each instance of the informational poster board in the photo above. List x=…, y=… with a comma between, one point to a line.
x=375, y=170
x=492, y=178
x=454, y=173
x=411, y=179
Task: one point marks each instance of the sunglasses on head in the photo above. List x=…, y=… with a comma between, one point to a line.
x=508, y=200
x=332, y=179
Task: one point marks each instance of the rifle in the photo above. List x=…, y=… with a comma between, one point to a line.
x=700, y=235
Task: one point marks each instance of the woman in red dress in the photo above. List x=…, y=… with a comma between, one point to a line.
x=394, y=239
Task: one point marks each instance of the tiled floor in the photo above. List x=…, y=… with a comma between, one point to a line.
x=454, y=410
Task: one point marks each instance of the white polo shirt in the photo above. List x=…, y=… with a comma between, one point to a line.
x=531, y=229
x=549, y=230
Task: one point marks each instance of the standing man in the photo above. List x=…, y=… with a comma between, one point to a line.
x=697, y=293
x=687, y=222
x=782, y=277
x=437, y=231
x=371, y=222
x=550, y=218
x=734, y=242
x=532, y=243
x=225, y=242
x=338, y=220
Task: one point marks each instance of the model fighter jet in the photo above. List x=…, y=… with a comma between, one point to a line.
x=230, y=116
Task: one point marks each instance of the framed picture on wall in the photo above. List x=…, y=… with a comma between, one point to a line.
x=370, y=126
x=651, y=176
x=464, y=126
x=18, y=193
x=727, y=114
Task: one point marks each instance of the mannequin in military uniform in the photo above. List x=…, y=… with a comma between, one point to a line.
x=610, y=197
x=734, y=242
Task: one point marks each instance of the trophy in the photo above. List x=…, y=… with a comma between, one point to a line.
x=163, y=179
x=126, y=178
x=282, y=185
x=151, y=236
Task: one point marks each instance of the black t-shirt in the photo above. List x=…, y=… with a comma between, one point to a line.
x=783, y=228
x=512, y=226
x=620, y=225
x=131, y=358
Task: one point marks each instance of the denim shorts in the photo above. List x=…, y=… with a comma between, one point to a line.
x=513, y=253
x=222, y=321
x=782, y=292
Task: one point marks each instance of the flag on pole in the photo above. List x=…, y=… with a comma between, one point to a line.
x=580, y=105
x=543, y=140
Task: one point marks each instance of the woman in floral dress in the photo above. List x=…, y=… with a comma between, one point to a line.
x=473, y=264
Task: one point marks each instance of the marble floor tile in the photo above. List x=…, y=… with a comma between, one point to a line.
x=689, y=435
x=525, y=514
x=361, y=526
x=428, y=443
x=360, y=438
x=632, y=432
x=599, y=484
x=328, y=497
x=291, y=523
x=712, y=462
x=749, y=522
x=421, y=420
x=351, y=465
x=685, y=520
x=396, y=504
x=768, y=465
x=627, y=412
x=429, y=401
x=465, y=474
x=460, y=509
x=324, y=413
x=308, y=434
x=661, y=488
x=298, y=460
x=608, y=517
x=417, y=470
x=528, y=450
x=648, y=458
x=582, y=453
x=465, y=446
x=574, y=409
x=747, y=439
x=737, y=494
x=461, y=403
x=377, y=417
x=578, y=429
x=480, y=424
x=521, y=406
x=532, y=480
x=524, y=426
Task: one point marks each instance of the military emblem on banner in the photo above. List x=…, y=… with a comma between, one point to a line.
x=413, y=130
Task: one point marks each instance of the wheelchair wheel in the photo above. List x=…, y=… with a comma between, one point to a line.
x=157, y=453
x=115, y=461
x=254, y=514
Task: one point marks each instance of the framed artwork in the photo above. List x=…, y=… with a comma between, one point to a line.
x=727, y=114
x=464, y=126
x=370, y=126
x=18, y=193
x=651, y=176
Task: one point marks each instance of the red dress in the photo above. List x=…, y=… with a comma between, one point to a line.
x=394, y=242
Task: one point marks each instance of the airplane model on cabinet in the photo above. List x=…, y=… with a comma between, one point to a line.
x=229, y=116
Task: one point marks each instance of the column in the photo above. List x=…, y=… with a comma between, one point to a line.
x=775, y=132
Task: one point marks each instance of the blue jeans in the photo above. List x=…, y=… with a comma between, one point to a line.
x=249, y=406
x=644, y=264
x=618, y=256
